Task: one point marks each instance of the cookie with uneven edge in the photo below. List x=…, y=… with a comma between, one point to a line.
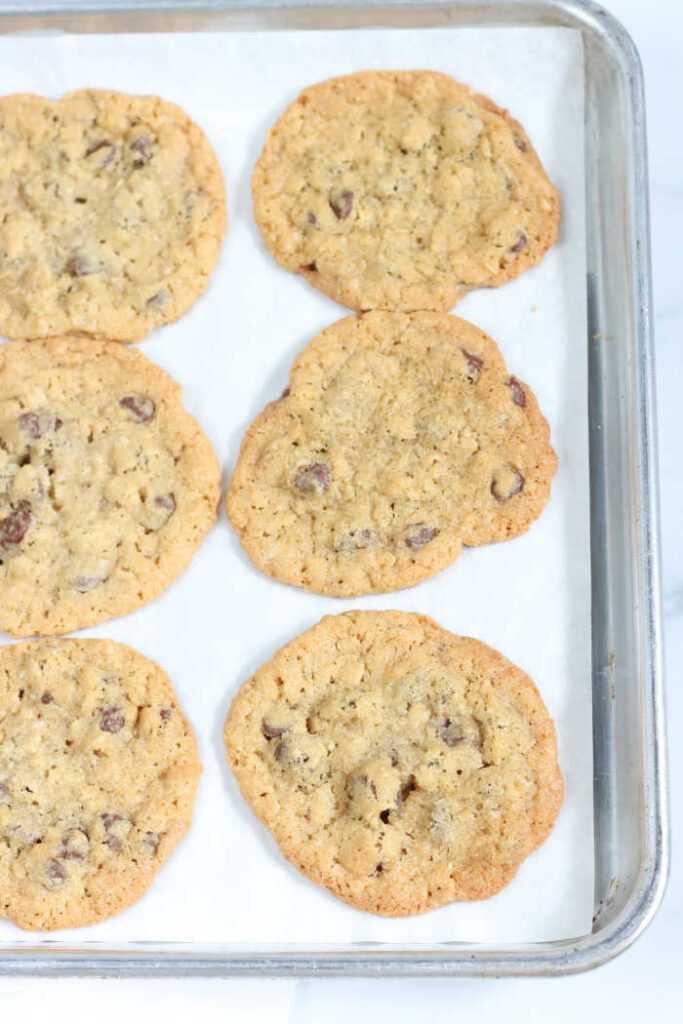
x=397, y=765
x=400, y=438
x=98, y=775
x=402, y=190
x=113, y=214
x=107, y=484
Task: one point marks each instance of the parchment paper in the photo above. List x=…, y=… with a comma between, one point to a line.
x=227, y=882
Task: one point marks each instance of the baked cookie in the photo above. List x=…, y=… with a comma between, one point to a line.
x=107, y=484
x=397, y=765
x=400, y=438
x=402, y=190
x=113, y=214
x=98, y=774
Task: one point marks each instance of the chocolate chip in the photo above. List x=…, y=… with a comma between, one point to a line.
x=112, y=720
x=450, y=732
x=406, y=789
x=419, y=534
x=517, y=389
x=140, y=407
x=79, y=265
x=56, y=873
x=474, y=365
x=311, y=217
x=286, y=393
x=311, y=267
x=47, y=698
x=110, y=822
x=165, y=714
x=105, y=148
x=271, y=732
x=520, y=243
x=158, y=299
x=75, y=845
x=85, y=583
x=384, y=816
x=280, y=752
x=13, y=527
x=341, y=204
x=150, y=843
x=313, y=478
x=142, y=147
x=29, y=422
x=506, y=483
x=520, y=143
x=166, y=501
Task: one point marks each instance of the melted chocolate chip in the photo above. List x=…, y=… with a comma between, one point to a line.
x=341, y=204
x=142, y=147
x=286, y=393
x=166, y=501
x=150, y=843
x=419, y=534
x=79, y=265
x=140, y=407
x=450, y=732
x=56, y=873
x=85, y=583
x=112, y=720
x=75, y=845
x=29, y=422
x=506, y=484
x=312, y=478
x=13, y=527
x=474, y=365
x=311, y=267
x=517, y=389
x=271, y=731
x=105, y=148
x=47, y=698
x=158, y=299
x=109, y=822
x=384, y=816
x=520, y=243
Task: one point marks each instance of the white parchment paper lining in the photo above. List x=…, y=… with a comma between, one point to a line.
x=227, y=883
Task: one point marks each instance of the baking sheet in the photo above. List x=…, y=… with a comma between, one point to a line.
x=529, y=598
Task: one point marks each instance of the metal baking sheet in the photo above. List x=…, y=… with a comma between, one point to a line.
x=628, y=791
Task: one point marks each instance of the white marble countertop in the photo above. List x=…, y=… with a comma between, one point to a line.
x=647, y=981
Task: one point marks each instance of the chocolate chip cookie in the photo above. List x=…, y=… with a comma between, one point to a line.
x=397, y=765
x=98, y=774
x=402, y=190
x=107, y=484
x=400, y=438
x=113, y=214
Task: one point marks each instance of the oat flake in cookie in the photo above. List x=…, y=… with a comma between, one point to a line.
x=113, y=212
x=98, y=774
x=400, y=438
x=402, y=190
x=107, y=484
x=396, y=764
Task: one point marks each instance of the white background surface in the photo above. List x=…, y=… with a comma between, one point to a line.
x=646, y=982
x=228, y=882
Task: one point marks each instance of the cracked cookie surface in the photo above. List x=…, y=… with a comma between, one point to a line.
x=98, y=775
x=402, y=190
x=114, y=212
x=400, y=438
x=396, y=764
x=107, y=484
